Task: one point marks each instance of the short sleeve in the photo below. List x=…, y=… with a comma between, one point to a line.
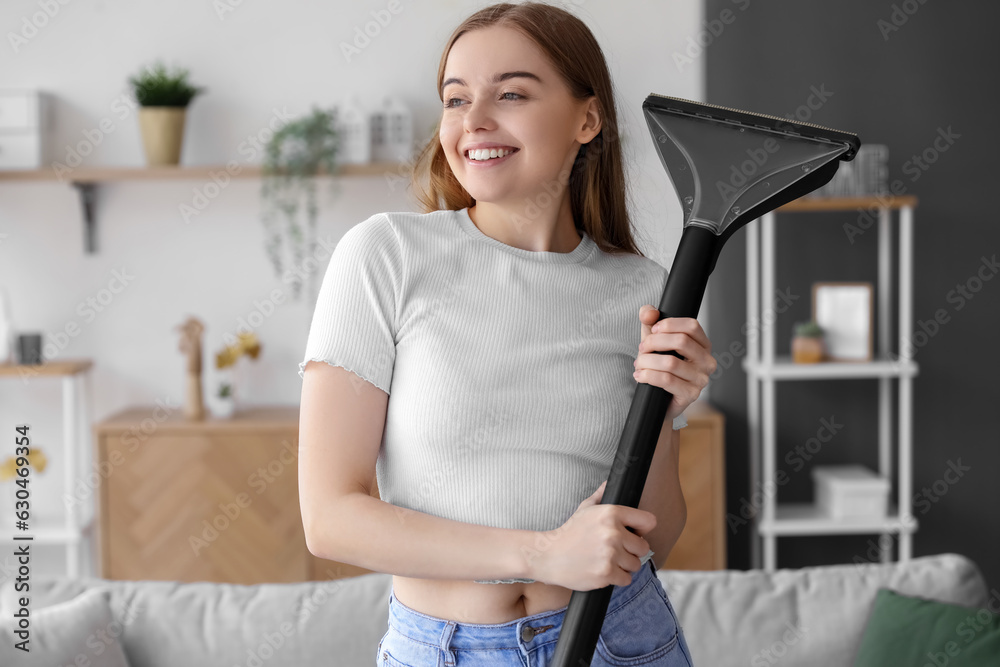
x=354, y=323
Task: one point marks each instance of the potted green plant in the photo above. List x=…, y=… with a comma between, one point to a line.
x=807, y=343
x=298, y=152
x=163, y=98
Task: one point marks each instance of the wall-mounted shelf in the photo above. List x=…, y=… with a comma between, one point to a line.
x=87, y=179
x=874, y=203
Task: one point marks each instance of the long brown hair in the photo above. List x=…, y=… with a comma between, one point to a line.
x=597, y=179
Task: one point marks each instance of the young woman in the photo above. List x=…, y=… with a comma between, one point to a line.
x=503, y=322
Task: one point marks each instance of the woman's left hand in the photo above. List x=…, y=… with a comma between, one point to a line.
x=684, y=378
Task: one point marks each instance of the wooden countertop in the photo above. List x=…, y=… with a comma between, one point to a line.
x=171, y=419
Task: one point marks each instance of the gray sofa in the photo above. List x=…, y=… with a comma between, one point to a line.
x=812, y=616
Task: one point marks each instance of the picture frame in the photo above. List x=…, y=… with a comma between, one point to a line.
x=844, y=310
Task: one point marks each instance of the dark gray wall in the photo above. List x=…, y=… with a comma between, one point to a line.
x=899, y=87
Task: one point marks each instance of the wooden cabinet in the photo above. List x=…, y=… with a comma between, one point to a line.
x=212, y=500
x=217, y=500
x=702, y=544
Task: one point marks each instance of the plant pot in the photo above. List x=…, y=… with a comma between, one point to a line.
x=807, y=349
x=224, y=407
x=162, y=133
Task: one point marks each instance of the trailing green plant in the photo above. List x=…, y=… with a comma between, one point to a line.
x=298, y=151
x=154, y=86
x=808, y=330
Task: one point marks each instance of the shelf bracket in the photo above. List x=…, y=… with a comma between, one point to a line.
x=88, y=192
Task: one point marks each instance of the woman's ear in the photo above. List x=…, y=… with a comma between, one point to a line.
x=591, y=121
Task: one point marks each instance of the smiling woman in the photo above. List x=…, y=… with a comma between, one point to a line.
x=503, y=321
x=548, y=98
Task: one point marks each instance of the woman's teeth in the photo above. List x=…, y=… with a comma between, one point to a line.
x=487, y=153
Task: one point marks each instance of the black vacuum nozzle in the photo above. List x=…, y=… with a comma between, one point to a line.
x=729, y=167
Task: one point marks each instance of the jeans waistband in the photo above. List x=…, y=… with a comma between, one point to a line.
x=446, y=633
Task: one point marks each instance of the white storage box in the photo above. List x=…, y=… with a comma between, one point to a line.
x=25, y=128
x=850, y=491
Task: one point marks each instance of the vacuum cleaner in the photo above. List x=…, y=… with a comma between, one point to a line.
x=728, y=167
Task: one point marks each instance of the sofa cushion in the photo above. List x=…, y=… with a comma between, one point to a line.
x=904, y=630
x=78, y=631
x=804, y=617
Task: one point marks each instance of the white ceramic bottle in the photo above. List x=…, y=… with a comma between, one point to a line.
x=355, y=133
x=392, y=132
x=399, y=130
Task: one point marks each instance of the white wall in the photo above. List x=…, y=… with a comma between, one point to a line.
x=258, y=57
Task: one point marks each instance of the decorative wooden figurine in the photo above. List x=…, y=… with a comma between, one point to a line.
x=194, y=404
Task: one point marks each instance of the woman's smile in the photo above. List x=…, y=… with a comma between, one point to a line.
x=483, y=158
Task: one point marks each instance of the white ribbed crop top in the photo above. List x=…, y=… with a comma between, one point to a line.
x=509, y=372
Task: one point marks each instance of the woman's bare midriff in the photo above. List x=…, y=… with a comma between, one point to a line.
x=469, y=602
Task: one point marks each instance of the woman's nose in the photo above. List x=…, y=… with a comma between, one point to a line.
x=478, y=115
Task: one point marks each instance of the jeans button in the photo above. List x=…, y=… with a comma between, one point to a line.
x=527, y=633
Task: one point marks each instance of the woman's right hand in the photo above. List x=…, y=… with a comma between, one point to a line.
x=593, y=549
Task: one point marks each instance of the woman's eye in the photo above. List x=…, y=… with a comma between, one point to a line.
x=507, y=96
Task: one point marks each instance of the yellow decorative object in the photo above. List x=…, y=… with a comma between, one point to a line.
x=247, y=344
x=36, y=459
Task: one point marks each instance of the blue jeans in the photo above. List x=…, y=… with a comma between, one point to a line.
x=640, y=628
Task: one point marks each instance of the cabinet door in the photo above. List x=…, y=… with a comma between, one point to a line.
x=195, y=507
x=702, y=544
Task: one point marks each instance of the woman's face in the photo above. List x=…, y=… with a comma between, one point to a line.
x=530, y=112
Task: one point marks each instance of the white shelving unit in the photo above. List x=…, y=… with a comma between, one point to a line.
x=74, y=530
x=764, y=369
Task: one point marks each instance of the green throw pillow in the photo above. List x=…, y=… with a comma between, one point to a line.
x=913, y=632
